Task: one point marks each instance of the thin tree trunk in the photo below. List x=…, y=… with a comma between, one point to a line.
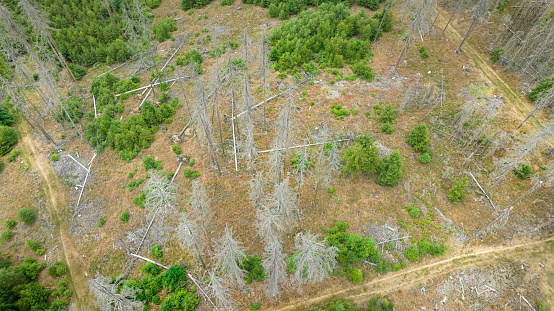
x=402, y=53
x=320, y=162
x=397, y=32
x=263, y=73
x=542, y=195
x=466, y=36
x=382, y=19
x=66, y=15
x=451, y=16
x=219, y=122
x=233, y=126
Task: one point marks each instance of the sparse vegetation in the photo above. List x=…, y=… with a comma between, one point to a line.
x=458, y=190
x=523, y=171
x=124, y=217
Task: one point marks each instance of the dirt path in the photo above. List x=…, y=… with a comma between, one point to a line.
x=59, y=212
x=392, y=282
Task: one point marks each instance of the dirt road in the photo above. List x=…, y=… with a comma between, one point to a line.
x=58, y=209
x=462, y=259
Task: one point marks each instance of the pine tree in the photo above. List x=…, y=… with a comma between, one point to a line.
x=418, y=138
x=391, y=171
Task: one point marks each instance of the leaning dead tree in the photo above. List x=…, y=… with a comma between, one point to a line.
x=114, y=295
x=480, y=13
x=545, y=100
x=540, y=180
x=190, y=234
x=229, y=257
x=313, y=260
x=283, y=139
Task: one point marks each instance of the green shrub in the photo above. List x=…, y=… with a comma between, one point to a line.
x=388, y=115
x=377, y=109
x=300, y=165
x=457, y=192
x=284, y=14
x=254, y=269
x=495, y=54
x=8, y=138
x=27, y=215
x=177, y=149
x=153, y=4
x=139, y=200
x=55, y=157
x=6, y=235
x=190, y=173
x=390, y=170
x=273, y=10
x=412, y=253
x=339, y=112
x=57, y=269
x=101, y=221
x=387, y=128
x=6, y=118
x=355, y=112
x=124, y=217
x=1, y=166
x=175, y=276
x=59, y=304
x=32, y=245
x=418, y=138
x=362, y=69
x=130, y=175
x=414, y=212
x=12, y=155
x=157, y=251
x=523, y=171
x=423, y=52
x=149, y=164
x=355, y=276
x=425, y=158
x=255, y=306
x=10, y=223
x=227, y=2
x=426, y=247
x=352, y=247
x=78, y=71
x=151, y=268
x=163, y=29
x=541, y=88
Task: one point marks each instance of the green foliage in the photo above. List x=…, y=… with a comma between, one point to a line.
x=227, y=2
x=153, y=4
x=10, y=223
x=32, y=296
x=139, y=200
x=387, y=128
x=424, y=158
x=157, y=251
x=1, y=166
x=78, y=71
x=523, y=171
x=426, y=247
x=150, y=164
x=182, y=299
x=502, y=5
x=362, y=156
x=196, y=4
x=326, y=35
x=192, y=56
x=418, y=138
x=541, y=306
x=352, y=247
x=55, y=157
x=163, y=29
x=339, y=112
x=6, y=118
x=6, y=235
x=32, y=245
x=13, y=154
x=377, y=109
x=355, y=112
x=177, y=149
x=175, y=277
x=72, y=111
x=57, y=269
x=124, y=217
x=191, y=174
x=412, y=253
x=414, y=212
x=540, y=89
x=27, y=215
x=59, y=304
x=355, y=276
x=495, y=54
x=300, y=165
x=254, y=268
x=388, y=115
x=370, y=4
x=423, y=52
x=151, y=268
x=8, y=138
x=390, y=170
x=255, y=306
x=457, y=192
x=101, y=221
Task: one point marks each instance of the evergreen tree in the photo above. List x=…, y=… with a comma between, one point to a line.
x=418, y=138
x=6, y=118
x=391, y=170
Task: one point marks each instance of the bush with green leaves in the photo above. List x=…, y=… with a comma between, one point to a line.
x=412, y=253
x=191, y=174
x=124, y=217
x=182, y=299
x=255, y=306
x=414, y=212
x=417, y=138
x=151, y=268
x=523, y=171
x=196, y=4
x=352, y=247
x=387, y=115
x=101, y=221
x=32, y=245
x=390, y=170
x=177, y=149
x=150, y=164
x=8, y=138
x=153, y=4
x=362, y=156
x=191, y=57
x=163, y=29
x=423, y=52
x=139, y=200
x=495, y=54
x=157, y=251
x=10, y=223
x=300, y=162
x=387, y=128
x=57, y=269
x=78, y=71
x=458, y=190
x=355, y=276
x=1, y=166
x=6, y=235
x=339, y=112
x=13, y=155
x=254, y=269
x=328, y=36
x=6, y=118
x=175, y=277
x=541, y=89
x=55, y=157
x=27, y=215
x=273, y=10
x=227, y=2
x=426, y=247
x=424, y=158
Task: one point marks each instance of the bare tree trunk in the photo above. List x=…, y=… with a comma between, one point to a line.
x=264, y=74
x=233, y=126
x=318, y=175
x=542, y=195
x=451, y=16
x=466, y=36
x=402, y=53
x=382, y=19
x=397, y=32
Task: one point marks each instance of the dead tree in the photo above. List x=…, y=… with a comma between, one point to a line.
x=190, y=235
x=114, y=295
x=480, y=14
x=201, y=208
x=285, y=203
x=283, y=139
x=257, y=190
x=274, y=266
x=332, y=167
x=544, y=179
x=313, y=260
x=269, y=223
x=221, y=292
x=545, y=100
x=202, y=121
x=452, y=16
x=229, y=256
